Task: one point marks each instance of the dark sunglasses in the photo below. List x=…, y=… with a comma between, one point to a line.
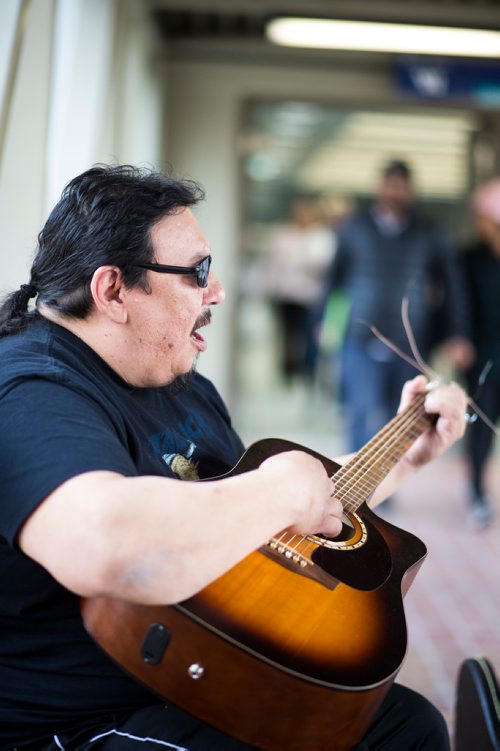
x=200, y=271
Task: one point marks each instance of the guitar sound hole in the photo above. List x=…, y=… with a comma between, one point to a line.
x=347, y=532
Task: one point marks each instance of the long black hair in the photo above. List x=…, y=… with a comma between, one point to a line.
x=104, y=217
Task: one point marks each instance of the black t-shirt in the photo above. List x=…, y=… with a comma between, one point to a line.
x=63, y=412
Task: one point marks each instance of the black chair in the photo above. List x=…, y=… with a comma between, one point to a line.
x=477, y=709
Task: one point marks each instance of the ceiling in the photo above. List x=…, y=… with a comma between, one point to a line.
x=329, y=150
x=314, y=147
x=245, y=20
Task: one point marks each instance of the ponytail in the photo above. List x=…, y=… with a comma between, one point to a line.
x=14, y=313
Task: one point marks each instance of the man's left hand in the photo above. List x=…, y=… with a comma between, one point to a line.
x=449, y=402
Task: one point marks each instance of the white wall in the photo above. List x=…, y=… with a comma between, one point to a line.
x=136, y=91
x=87, y=90
x=9, y=13
x=82, y=54
x=22, y=175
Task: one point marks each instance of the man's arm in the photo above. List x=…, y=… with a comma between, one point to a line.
x=160, y=540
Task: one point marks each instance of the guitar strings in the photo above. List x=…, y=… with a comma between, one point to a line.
x=359, y=475
x=396, y=428
x=382, y=454
x=379, y=448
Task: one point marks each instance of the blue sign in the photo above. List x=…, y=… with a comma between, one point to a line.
x=429, y=79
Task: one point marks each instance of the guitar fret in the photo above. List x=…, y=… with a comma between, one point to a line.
x=357, y=480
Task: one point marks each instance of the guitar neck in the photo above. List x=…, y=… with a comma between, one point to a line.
x=356, y=480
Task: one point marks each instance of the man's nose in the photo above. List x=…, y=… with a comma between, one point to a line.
x=215, y=292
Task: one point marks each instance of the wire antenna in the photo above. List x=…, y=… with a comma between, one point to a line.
x=419, y=364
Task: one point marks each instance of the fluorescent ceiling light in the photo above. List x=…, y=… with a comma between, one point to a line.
x=383, y=37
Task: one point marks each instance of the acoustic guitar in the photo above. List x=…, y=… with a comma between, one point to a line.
x=296, y=646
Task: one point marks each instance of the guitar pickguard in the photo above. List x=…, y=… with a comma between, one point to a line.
x=353, y=565
x=326, y=563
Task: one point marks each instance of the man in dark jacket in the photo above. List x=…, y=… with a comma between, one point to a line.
x=383, y=255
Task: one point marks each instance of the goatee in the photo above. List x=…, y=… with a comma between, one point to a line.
x=182, y=381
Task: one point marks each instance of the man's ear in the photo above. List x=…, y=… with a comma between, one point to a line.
x=107, y=289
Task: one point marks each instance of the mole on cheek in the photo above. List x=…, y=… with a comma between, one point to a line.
x=170, y=346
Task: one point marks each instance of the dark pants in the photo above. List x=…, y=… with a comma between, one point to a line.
x=298, y=346
x=405, y=721
x=372, y=377
x=479, y=437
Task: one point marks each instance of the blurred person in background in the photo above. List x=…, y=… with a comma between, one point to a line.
x=384, y=254
x=481, y=261
x=298, y=254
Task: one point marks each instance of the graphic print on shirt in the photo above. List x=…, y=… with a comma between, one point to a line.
x=181, y=464
x=176, y=445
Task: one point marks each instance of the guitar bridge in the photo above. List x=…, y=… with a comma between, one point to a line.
x=290, y=553
x=289, y=556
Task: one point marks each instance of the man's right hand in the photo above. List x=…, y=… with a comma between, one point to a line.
x=310, y=490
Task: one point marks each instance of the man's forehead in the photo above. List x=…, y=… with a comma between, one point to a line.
x=179, y=233
x=181, y=219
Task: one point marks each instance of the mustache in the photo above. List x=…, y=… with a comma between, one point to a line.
x=203, y=319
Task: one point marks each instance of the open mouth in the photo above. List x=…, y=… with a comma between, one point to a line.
x=197, y=339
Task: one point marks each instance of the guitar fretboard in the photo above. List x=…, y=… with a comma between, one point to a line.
x=356, y=480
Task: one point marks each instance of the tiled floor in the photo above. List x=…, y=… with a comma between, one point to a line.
x=453, y=606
